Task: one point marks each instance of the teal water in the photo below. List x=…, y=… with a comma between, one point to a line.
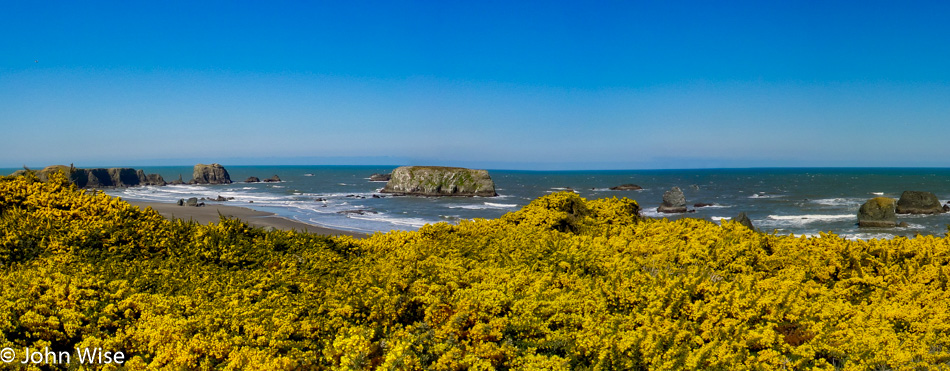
x=801, y=201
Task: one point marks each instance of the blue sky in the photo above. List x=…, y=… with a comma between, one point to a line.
x=524, y=85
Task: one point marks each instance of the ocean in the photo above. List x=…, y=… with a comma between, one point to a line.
x=799, y=201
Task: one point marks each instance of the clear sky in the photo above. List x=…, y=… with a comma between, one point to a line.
x=492, y=84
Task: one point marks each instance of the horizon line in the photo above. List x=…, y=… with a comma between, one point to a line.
x=506, y=168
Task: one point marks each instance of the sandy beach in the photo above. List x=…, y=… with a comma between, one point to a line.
x=209, y=214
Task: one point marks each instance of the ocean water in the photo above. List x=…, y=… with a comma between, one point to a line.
x=800, y=201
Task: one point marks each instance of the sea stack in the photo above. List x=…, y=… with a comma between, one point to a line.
x=877, y=212
x=917, y=202
x=440, y=181
x=673, y=201
x=210, y=174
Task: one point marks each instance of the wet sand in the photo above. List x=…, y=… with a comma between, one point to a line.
x=209, y=214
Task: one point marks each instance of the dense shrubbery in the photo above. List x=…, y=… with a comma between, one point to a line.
x=564, y=283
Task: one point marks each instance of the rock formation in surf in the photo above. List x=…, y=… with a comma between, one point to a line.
x=440, y=181
x=210, y=174
x=673, y=201
x=878, y=212
x=917, y=202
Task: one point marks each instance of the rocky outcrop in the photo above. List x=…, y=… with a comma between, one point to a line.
x=626, y=187
x=917, y=202
x=743, y=219
x=253, y=179
x=210, y=174
x=273, y=179
x=377, y=177
x=673, y=201
x=150, y=179
x=877, y=212
x=102, y=177
x=440, y=181
x=177, y=181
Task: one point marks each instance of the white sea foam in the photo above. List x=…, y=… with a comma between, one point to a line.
x=652, y=213
x=838, y=201
x=813, y=217
x=715, y=206
x=483, y=206
x=762, y=195
x=867, y=236
x=383, y=217
x=720, y=218
x=877, y=193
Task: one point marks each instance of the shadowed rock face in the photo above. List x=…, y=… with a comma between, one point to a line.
x=210, y=174
x=102, y=177
x=877, y=212
x=917, y=202
x=150, y=179
x=440, y=181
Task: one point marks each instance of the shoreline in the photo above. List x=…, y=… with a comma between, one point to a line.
x=209, y=214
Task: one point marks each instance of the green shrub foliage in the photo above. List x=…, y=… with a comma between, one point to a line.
x=564, y=283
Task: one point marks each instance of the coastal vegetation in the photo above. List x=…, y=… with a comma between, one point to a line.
x=564, y=283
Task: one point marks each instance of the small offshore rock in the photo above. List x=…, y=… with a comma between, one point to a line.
x=252, y=179
x=626, y=187
x=272, y=179
x=700, y=204
x=377, y=177
x=673, y=201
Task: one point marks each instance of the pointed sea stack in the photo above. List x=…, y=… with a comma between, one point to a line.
x=440, y=181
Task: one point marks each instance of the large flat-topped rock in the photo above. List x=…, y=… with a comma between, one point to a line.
x=440, y=181
x=210, y=174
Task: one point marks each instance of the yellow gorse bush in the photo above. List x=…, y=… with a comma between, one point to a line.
x=563, y=283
